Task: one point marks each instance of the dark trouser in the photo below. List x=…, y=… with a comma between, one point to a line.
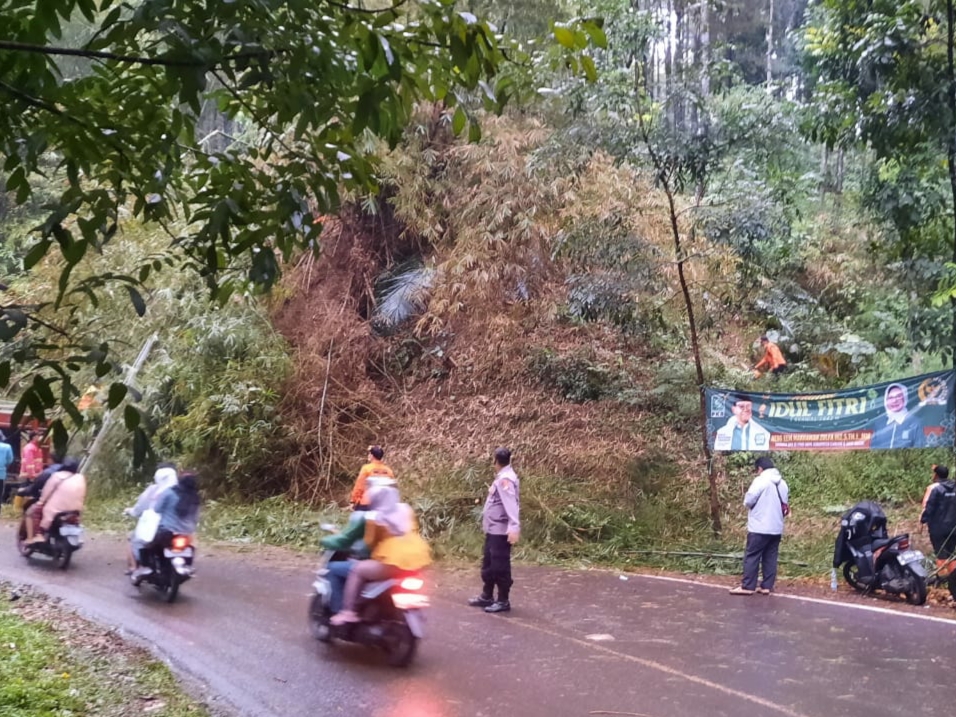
x=162, y=539
x=944, y=541
x=779, y=370
x=338, y=573
x=762, y=551
x=496, y=567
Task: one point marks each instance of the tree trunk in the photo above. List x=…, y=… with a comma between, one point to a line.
x=666, y=181
x=838, y=179
x=824, y=172
x=951, y=142
x=704, y=36
x=678, y=76
x=769, y=44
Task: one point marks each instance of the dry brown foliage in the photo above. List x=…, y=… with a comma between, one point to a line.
x=485, y=219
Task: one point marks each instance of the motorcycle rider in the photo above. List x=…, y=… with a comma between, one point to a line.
x=164, y=478
x=391, y=534
x=64, y=491
x=939, y=516
x=178, y=510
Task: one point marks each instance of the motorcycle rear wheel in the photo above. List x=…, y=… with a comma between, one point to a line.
x=171, y=590
x=319, y=619
x=916, y=596
x=400, y=644
x=62, y=553
x=851, y=572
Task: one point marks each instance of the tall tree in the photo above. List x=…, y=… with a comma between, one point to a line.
x=882, y=75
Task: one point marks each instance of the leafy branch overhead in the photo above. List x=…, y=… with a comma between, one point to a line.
x=112, y=111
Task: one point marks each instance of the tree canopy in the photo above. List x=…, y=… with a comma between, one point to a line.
x=106, y=100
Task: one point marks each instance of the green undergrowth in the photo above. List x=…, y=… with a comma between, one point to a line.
x=653, y=520
x=55, y=664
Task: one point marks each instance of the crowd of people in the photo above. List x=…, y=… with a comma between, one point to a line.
x=381, y=537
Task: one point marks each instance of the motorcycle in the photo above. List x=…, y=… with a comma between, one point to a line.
x=391, y=612
x=171, y=566
x=872, y=560
x=64, y=537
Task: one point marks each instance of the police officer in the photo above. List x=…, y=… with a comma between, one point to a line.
x=502, y=526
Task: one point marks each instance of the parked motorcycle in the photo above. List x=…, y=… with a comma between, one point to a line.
x=171, y=566
x=64, y=537
x=392, y=613
x=872, y=560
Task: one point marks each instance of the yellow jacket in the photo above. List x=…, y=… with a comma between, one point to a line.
x=405, y=552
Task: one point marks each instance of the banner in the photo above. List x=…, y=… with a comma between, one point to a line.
x=913, y=412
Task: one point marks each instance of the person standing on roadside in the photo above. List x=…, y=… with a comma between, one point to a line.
x=374, y=467
x=31, y=466
x=939, y=516
x=772, y=360
x=500, y=521
x=31, y=458
x=6, y=458
x=768, y=500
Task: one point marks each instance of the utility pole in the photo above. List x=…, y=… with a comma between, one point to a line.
x=108, y=419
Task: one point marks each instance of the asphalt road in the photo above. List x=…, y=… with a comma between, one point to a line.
x=576, y=643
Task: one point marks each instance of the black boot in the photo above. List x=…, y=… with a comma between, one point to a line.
x=499, y=606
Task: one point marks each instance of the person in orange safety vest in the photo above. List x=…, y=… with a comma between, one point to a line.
x=374, y=467
x=772, y=359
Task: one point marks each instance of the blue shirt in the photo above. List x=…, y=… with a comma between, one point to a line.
x=6, y=458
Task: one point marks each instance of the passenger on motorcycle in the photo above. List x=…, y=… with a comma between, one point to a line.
x=178, y=510
x=64, y=491
x=31, y=493
x=164, y=478
x=350, y=541
x=391, y=534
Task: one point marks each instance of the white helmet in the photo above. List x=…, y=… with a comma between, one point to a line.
x=379, y=482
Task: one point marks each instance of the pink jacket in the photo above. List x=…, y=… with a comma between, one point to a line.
x=31, y=460
x=64, y=491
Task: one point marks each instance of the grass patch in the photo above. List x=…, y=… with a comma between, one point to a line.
x=54, y=663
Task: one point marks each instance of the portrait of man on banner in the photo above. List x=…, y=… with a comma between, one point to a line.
x=741, y=432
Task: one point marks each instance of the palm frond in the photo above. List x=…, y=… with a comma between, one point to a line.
x=401, y=295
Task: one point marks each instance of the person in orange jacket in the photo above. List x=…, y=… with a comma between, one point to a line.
x=374, y=467
x=772, y=359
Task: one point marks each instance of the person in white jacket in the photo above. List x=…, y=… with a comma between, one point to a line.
x=768, y=500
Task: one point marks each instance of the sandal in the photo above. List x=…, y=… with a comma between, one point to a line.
x=341, y=618
x=741, y=591
x=763, y=591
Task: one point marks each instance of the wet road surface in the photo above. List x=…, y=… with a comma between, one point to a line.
x=576, y=643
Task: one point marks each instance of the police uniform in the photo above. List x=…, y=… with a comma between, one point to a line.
x=499, y=517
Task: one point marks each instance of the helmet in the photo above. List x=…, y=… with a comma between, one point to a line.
x=379, y=482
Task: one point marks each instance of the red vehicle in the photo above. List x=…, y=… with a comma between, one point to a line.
x=15, y=436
